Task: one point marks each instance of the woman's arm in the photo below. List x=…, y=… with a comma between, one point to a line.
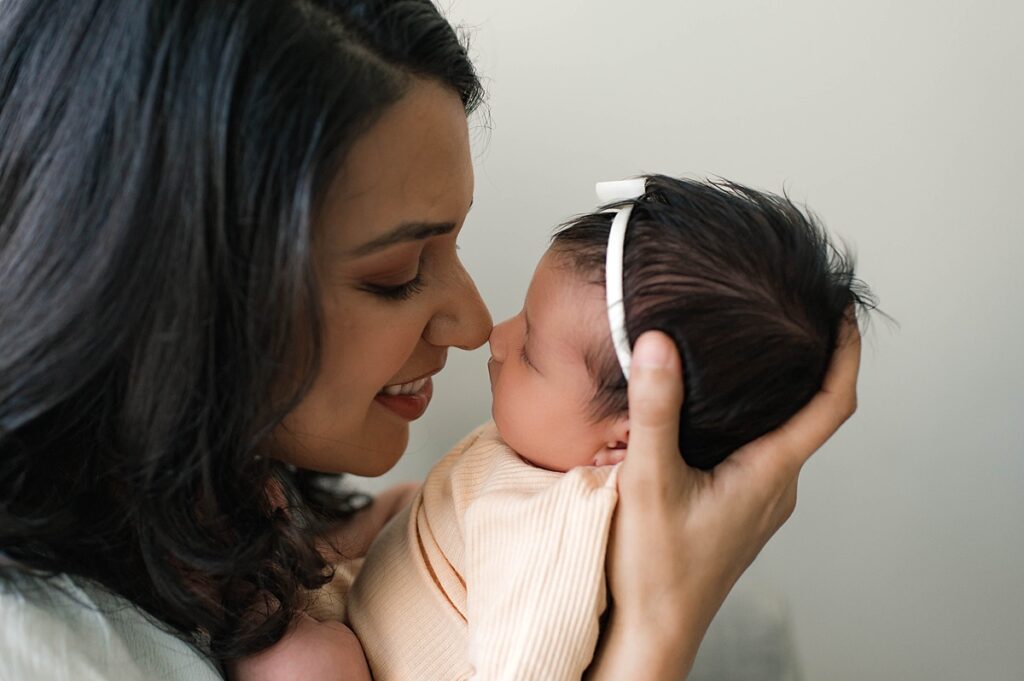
x=318, y=647
x=310, y=651
x=682, y=537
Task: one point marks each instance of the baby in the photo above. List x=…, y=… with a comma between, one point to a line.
x=496, y=568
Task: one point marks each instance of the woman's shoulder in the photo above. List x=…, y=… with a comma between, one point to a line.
x=63, y=628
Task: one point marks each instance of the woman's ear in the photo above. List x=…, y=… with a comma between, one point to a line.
x=616, y=440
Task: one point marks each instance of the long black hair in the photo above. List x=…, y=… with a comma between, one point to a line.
x=159, y=164
x=751, y=289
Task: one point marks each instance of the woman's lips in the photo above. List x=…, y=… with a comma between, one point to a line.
x=409, y=407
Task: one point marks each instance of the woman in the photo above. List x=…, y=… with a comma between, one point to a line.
x=228, y=236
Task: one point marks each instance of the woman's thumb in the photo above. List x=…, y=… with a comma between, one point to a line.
x=655, y=398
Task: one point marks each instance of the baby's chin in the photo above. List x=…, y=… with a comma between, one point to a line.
x=547, y=459
x=538, y=449
x=508, y=436
x=558, y=461
x=546, y=463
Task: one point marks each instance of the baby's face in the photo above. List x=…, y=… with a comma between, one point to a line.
x=539, y=378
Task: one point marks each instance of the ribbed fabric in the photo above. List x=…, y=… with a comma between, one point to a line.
x=496, y=571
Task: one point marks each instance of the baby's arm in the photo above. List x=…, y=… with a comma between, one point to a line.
x=311, y=651
x=534, y=573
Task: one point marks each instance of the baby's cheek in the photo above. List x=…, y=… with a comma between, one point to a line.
x=499, y=412
x=531, y=423
x=510, y=425
x=513, y=419
x=541, y=437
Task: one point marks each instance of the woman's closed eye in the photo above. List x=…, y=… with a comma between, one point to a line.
x=397, y=283
x=402, y=291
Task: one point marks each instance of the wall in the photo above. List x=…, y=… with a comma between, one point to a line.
x=900, y=124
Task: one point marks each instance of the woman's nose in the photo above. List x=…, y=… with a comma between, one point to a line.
x=463, y=321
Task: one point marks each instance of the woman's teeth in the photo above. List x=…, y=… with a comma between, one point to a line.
x=405, y=388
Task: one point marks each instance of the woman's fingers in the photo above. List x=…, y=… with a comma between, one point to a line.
x=682, y=537
x=841, y=377
x=655, y=398
x=798, y=438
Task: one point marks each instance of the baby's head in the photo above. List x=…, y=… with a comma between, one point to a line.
x=750, y=288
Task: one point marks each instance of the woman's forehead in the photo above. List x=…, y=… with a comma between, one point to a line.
x=413, y=166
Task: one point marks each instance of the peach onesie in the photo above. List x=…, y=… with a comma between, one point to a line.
x=495, y=571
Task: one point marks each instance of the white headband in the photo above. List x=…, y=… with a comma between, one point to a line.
x=610, y=192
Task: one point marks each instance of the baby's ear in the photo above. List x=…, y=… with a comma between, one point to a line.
x=609, y=456
x=617, y=438
x=618, y=432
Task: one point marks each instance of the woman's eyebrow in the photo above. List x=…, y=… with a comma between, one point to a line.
x=410, y=231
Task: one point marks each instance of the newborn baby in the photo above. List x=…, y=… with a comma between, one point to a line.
x=496, y=568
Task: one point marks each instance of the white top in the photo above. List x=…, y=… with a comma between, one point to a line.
x=71, y=630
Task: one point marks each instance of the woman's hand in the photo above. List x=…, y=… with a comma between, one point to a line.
x=682, y=537
x=311, y=651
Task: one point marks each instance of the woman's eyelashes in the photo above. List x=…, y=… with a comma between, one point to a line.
x=408, y=289
x=398, y=292
x=402, y=291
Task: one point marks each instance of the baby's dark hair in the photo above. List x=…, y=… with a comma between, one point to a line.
x=751, y=289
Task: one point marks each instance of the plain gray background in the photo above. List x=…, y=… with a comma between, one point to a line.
x=900, y=124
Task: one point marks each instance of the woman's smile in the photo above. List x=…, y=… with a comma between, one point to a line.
x=409, y=406
x=409, y=399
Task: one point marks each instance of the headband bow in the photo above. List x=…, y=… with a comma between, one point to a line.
x=610, y=192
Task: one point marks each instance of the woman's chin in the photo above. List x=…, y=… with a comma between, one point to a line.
x=374, y=471
x=379, y=456
x=373, y=454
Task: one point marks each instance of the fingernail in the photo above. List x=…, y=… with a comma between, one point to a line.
x=650, y=352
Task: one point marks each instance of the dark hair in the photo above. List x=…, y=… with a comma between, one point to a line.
x=750, y=288
x=159, y=164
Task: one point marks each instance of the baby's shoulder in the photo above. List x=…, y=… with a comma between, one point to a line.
x=470, y=467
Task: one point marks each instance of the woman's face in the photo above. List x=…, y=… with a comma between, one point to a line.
x=394, y=295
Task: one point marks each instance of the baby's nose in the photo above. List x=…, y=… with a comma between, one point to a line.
x=498, y=341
